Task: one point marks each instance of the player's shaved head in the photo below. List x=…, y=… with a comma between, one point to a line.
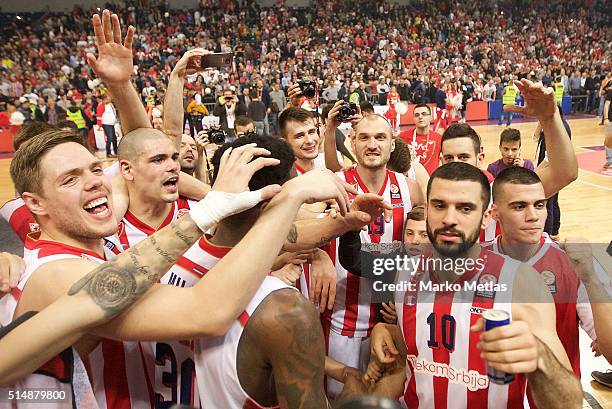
x=132, y=144
x=375, y=118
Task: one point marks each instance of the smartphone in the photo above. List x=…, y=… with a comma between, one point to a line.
x=609, y=249
x=217, y=60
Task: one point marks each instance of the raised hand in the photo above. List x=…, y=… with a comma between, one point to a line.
x=114, y=63
x=189, y=62
x=237, y=168
x=539, y=100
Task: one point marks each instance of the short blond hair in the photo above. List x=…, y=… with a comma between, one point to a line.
x=25, y=166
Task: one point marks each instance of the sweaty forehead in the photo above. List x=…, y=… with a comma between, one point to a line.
x=514, y=192
x=296, y=127
x=65, y=157
x=373, y=124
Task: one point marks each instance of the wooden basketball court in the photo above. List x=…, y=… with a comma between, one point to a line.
x=585, y=207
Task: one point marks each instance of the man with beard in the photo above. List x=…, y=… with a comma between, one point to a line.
x=348, y=325
x=188, y=155
x=448, y=365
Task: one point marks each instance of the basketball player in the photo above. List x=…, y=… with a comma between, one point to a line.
x=348, y=326
x=425, y=141
x=274, y=353
x=520, y=207
x=445, y=366
x=73, y=241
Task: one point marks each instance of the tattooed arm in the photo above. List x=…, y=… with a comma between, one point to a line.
x=285, y=333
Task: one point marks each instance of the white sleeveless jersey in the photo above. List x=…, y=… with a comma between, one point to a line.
x=18, y=216
x=174, y=372
x=444, y=368
x=216, y=359
x=117, y=369
x=354, y=313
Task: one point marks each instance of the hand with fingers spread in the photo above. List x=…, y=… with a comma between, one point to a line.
x=323, y=280
x=12, y=268
x=230, y=193
x=511, y=348
x=539, y=100
x=288, y=274
x=189, y=63
x=114, y=63
x=319, y=185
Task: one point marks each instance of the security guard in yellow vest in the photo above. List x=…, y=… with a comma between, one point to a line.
x=76, y=115
x=559, y=90
x=508, y=98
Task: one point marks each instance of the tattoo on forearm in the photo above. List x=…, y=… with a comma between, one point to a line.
x=293, y=234
x=161, y=251
x=117, y=283
x=186, y=238
x=324, y=240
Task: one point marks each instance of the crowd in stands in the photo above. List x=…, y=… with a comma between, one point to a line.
x=364, y=48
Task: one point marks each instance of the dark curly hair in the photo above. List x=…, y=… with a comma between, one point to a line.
x=270, y=175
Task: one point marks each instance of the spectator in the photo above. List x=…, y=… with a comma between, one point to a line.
x=196, y=110
x=227, y=109
x=489, y=91
x=278, y=104
x=76, y=115
x=242, y=125
x=257, y=112
x=106, y=119
x=510, y=150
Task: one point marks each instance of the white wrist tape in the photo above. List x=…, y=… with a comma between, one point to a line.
x=216, y=206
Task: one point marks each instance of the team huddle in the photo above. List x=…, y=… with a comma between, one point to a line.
x=151, y=288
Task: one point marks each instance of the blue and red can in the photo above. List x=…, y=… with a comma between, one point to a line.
x=494, y=319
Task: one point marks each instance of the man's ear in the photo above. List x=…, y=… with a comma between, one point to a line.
x=480, y=157
x=488, y=216
x=392, y=144
x=125, y=168
x=35, y=203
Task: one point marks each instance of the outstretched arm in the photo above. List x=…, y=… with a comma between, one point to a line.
x=173, y=102
x=563, y=166
x=114, y=67
x=109, y=288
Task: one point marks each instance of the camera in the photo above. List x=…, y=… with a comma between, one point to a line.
x=346, y=111
x=308, y=87
x=216, y=136
x=249, y=134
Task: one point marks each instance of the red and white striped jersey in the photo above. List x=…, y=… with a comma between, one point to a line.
x=18, y=216
x=444, y=368
x=118, y=375
x=174, y=372
x=354, y=313
x=571, y=300
x=216, y=359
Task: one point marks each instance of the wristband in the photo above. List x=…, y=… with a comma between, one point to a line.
x=217, y=205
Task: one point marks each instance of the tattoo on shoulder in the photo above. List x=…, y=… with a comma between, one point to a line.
x=293, y=234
